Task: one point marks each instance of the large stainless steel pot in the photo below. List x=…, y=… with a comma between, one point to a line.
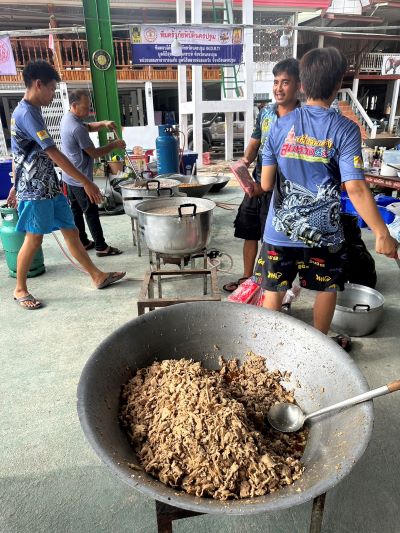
x=181, y=230
x=322, y=374
x=132, y=194
x=358, y=311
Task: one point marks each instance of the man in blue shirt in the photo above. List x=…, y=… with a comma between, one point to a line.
x=309, y=154
x=250, y=220
x=42, y=208
x=77, y=145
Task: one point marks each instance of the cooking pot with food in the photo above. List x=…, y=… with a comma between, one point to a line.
x=134, y=192
x=178, y=226
x=321, y=373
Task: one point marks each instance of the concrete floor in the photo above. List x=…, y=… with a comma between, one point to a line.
x=52, y=481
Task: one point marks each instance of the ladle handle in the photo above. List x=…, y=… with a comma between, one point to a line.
x=380, y=391
x=394, y=385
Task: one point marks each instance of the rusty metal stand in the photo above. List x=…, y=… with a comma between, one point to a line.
x=317, y=513
x=148, y=300
x=136, y=235
x=166, y=514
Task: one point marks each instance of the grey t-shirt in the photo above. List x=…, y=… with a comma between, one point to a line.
x=74, y=141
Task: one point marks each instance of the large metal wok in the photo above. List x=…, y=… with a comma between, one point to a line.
x=204, y=331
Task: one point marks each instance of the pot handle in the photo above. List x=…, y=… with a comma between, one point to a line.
x=171, y=192
x=132, y=198
x=361, y=307
x=152, y=181
x=187, y=205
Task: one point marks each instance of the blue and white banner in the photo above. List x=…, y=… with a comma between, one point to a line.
x=151, y=45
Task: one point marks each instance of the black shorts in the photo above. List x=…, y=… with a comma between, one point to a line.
x=318, y=268
x=252, y=215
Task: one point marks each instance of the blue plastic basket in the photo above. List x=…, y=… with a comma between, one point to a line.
x=348, y=207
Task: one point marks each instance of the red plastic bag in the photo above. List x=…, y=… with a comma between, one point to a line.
x=249, y=293
x=243, y=176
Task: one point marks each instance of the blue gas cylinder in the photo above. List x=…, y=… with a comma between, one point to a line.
x=167, y=150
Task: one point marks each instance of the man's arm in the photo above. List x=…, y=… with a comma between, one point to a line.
x=104, y=150
x=65, y=164
x=97, y=126
x=362, y=199
x=251, y=151
x=268, y=176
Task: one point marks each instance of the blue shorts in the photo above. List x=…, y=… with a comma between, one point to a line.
x=44, y=216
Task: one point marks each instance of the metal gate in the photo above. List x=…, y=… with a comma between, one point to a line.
x=53, y=113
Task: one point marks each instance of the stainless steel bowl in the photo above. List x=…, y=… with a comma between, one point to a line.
x=220, y=184
x=321, y=374
x=358, y=311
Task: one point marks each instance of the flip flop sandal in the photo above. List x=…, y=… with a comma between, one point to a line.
x=233, y=285
x=111, y=251
x=28, y=298
x=110, y=279
x=90, y=245
x=344, y=342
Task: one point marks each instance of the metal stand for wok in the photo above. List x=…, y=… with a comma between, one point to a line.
x=166, y=514
x=147, y=297
x=136, y=235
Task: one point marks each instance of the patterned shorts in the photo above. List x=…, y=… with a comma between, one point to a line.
x=318, y=268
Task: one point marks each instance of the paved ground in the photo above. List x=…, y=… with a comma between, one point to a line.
x=52, y=481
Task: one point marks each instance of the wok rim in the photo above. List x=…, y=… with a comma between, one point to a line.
x=182, y=500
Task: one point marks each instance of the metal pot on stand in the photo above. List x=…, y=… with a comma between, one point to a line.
x=133, y=192
x=178, y=226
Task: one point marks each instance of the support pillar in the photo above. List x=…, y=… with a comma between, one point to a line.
x=321, y=39
x=228, y=136
x=247, y=18
x=140, y=107
x=295, y=35
x=148, y=90
x=197, y=92
x=182, y=74
x=105, y=90
x=354, y=88
x=395, y=99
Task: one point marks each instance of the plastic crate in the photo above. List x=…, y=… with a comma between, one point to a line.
x=348, y=207
x=387, y=216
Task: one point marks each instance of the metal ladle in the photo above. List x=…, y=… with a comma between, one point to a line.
x=288, y=417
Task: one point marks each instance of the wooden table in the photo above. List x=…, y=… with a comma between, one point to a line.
x=387, y=182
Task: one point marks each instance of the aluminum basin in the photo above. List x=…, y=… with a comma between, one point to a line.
x=195, y=330
x=358, y=311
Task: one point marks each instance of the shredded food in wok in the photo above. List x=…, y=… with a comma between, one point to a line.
x=204, y=431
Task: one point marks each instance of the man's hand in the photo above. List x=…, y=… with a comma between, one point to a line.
x=257, y=191
x=93, y=192
x=245, y=161
x=12, y=198
x=110, y=125
x=119, y=144
x=386, y=245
